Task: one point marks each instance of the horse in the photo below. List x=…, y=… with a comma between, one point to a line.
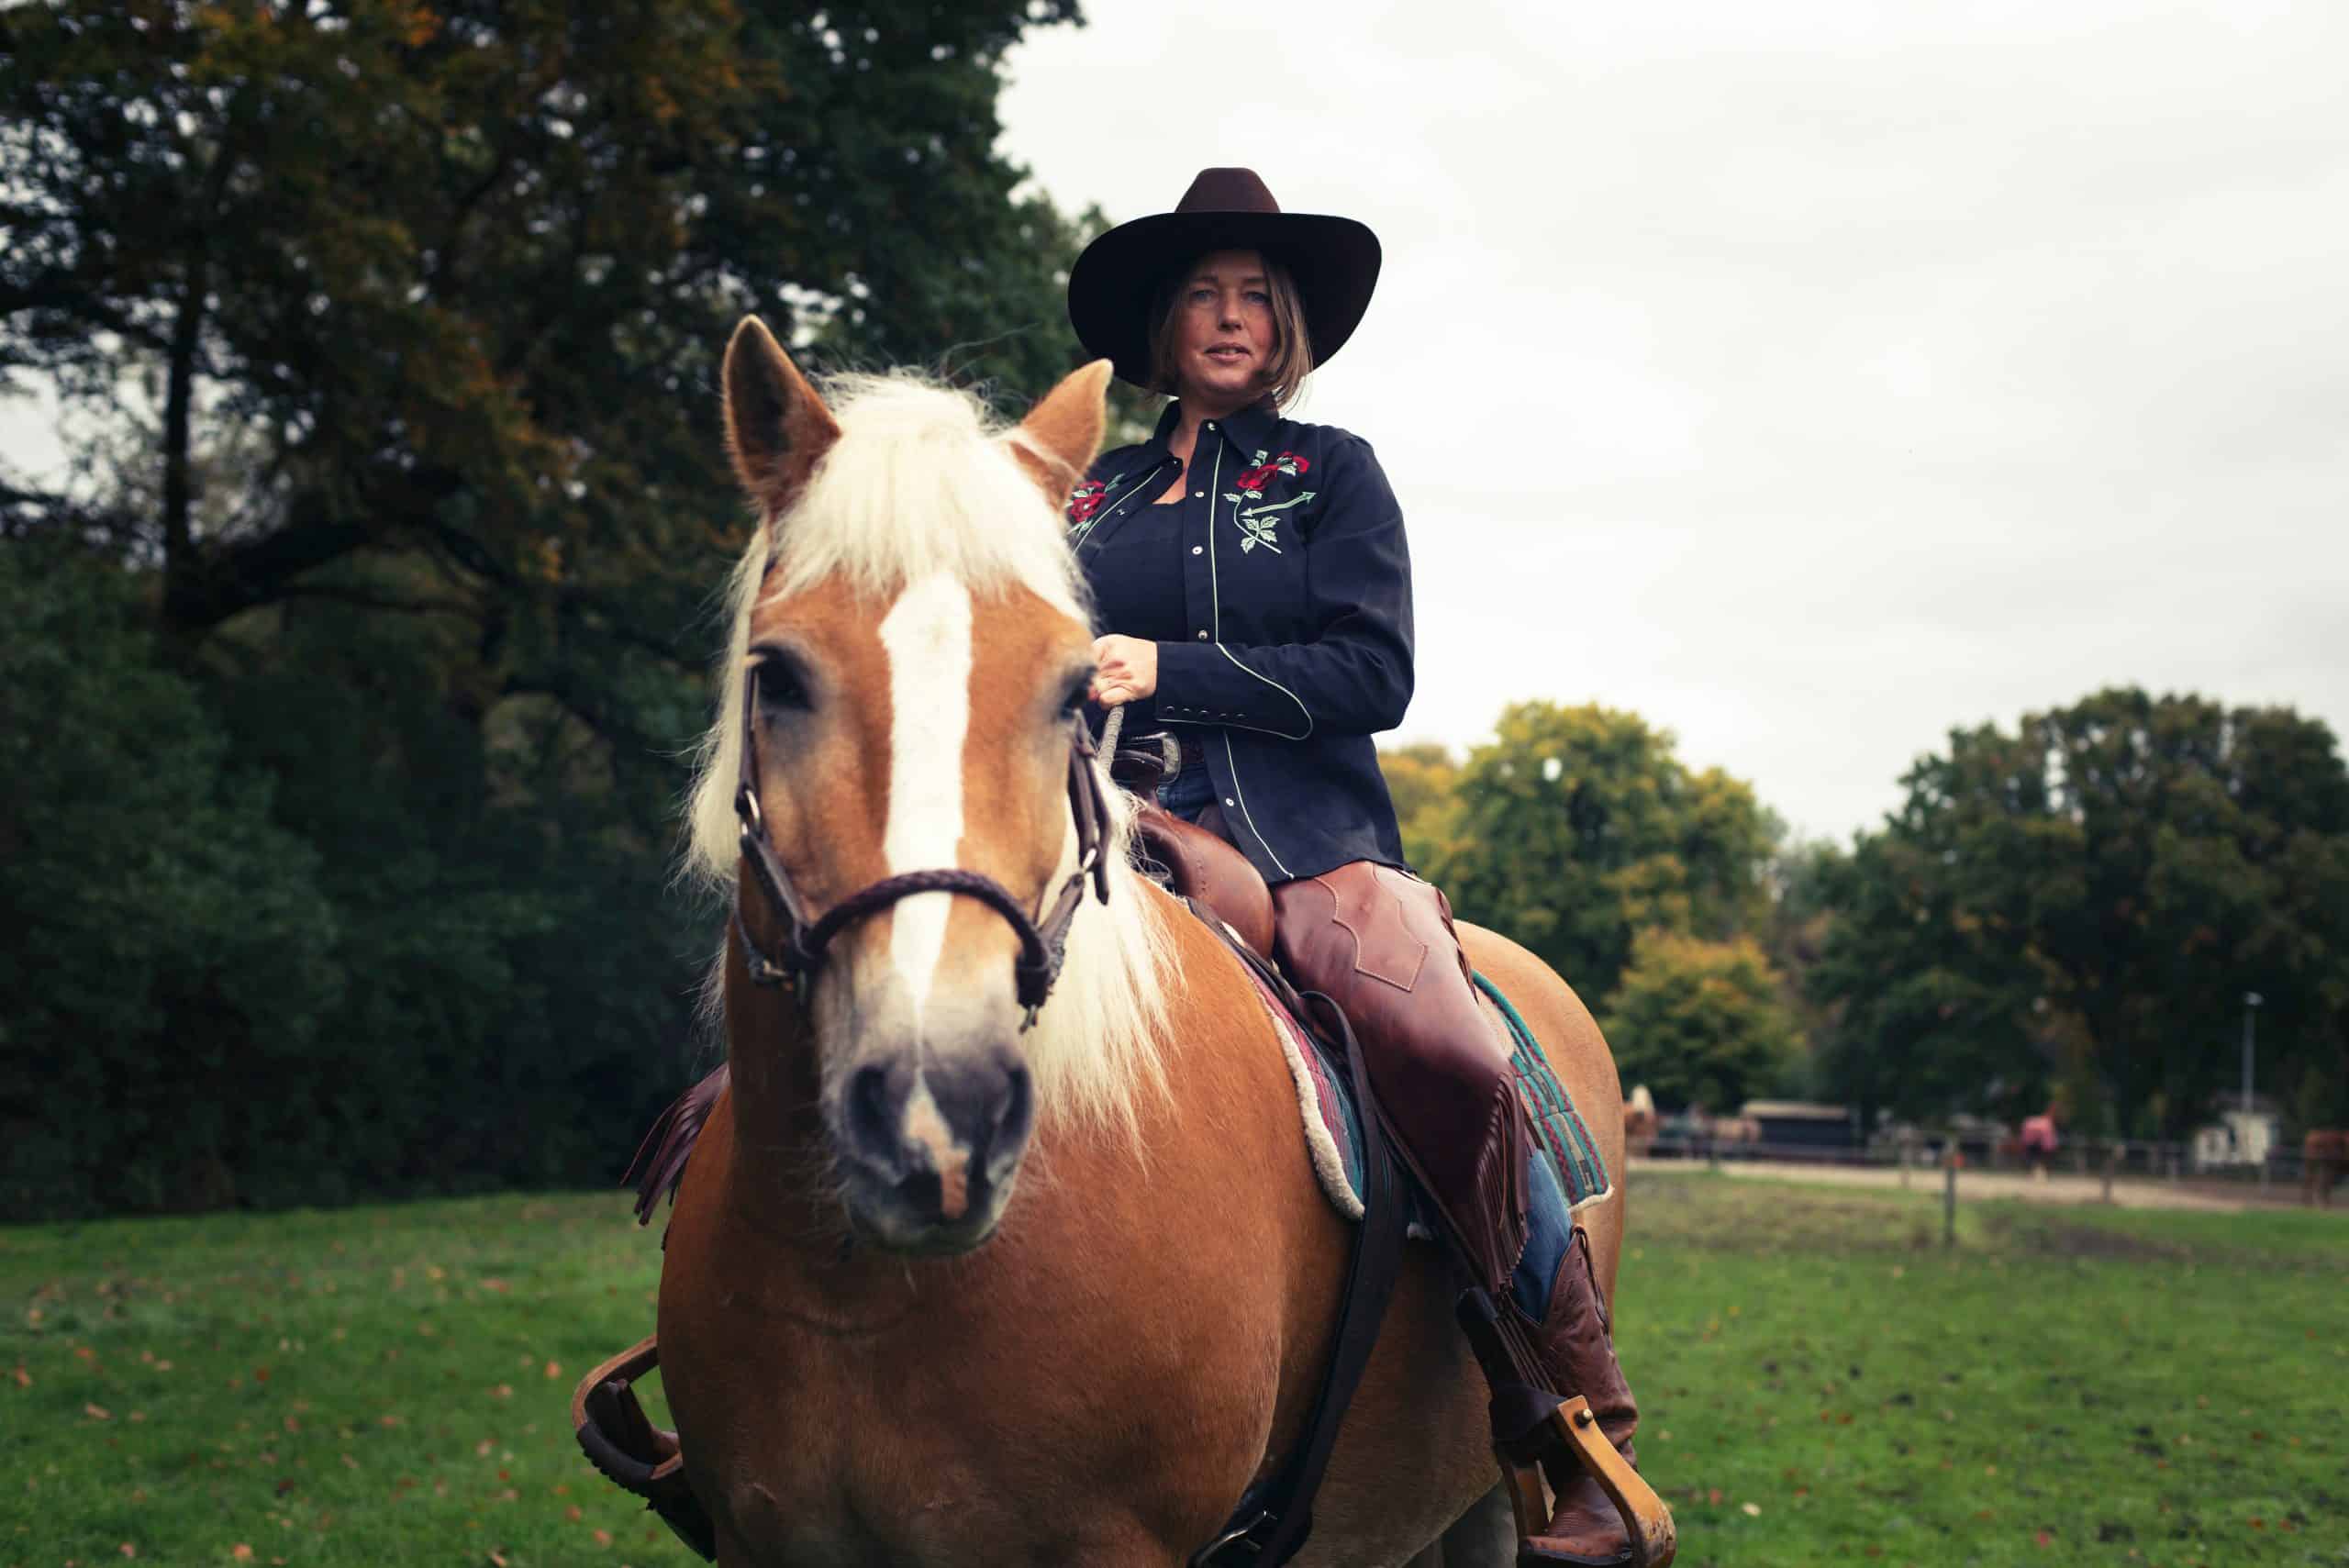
x=1639, y=1121
x=954, y=1275
x=2325, y=1160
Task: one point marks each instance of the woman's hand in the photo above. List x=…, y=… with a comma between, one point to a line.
x=1125, y=670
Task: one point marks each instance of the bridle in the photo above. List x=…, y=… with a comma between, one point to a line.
x=800, y=954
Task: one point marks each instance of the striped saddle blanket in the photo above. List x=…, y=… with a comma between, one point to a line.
x=1332, y=1121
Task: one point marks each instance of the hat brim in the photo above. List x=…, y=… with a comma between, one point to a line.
x=1115, y=280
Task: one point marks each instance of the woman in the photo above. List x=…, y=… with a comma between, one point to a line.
x=1252, y=592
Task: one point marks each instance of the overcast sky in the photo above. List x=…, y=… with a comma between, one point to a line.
x=1806, y=377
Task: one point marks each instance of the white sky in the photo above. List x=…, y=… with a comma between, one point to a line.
x=1807, y=377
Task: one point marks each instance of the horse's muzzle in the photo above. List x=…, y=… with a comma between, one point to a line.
x=928, y=1146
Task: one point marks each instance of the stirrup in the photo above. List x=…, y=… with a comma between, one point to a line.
x=1646, y=1520
x=632, y=1453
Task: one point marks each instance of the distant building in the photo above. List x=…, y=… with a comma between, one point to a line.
x=2239, y=1137
x=1800, y=1123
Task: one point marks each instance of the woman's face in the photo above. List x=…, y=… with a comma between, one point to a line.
x=1225, y=308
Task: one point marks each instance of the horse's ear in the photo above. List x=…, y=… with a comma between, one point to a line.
x=776, y=426
x=1056, y=442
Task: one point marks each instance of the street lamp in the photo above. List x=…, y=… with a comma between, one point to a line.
x=2250, y=1000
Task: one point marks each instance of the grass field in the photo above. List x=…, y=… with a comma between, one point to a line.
x=1822, y=1383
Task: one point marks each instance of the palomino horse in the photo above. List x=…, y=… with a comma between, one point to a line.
x=939, y=1287
x=2324, y=1159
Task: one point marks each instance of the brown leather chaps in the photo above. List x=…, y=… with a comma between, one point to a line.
x=1379, y=942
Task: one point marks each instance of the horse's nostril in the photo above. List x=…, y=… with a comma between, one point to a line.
x=924, y=1193
x=872, y=1122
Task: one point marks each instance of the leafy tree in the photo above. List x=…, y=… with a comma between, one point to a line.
x=171, y=957
x=400, y=324
x=1803, y=878
x=1578, y=828
x=1701, y=1023
x=1420, y=780
x=455, y=277
x=2084, y=902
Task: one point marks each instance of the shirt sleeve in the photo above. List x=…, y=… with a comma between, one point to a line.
x=1355, y=676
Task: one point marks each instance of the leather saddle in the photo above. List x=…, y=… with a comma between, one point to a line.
x=1200, y=866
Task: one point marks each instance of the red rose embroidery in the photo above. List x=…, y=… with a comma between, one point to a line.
x=1255, y=479
x=1087, y=501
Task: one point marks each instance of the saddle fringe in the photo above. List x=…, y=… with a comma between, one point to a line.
x=660, y=1163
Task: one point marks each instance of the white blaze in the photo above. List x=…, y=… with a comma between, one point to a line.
x=927, y=634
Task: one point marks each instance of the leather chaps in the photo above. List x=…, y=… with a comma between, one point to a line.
x=1380, y=943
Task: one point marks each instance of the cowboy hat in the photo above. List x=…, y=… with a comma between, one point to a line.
x=1117, y=279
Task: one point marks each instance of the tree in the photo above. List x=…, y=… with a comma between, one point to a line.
x=168, y=939
x=2085, y=901
x=401, y=325
x=1578, y=828
x=455, y=277
x=1701, y=1023
x=1420, y=780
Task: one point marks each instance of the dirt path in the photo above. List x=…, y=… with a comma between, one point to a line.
x=2127, y=1192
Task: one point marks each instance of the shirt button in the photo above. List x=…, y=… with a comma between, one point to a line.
x=1210, y=424
x=1199, y=550
x=1203, y=637
x=1229, y=801
x=1198, y=495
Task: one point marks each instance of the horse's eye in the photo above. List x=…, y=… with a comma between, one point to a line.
x=1074, y=699
x=780, y=686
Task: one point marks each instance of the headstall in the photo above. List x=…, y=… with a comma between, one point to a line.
x=800, y=954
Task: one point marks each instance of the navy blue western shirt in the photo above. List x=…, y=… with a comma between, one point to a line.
x=1292, y=648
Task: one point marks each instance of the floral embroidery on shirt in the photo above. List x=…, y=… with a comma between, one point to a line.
x=1257, y=524
x=1085, y=502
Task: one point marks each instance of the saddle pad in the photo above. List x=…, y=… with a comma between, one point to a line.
x=1332, y=1121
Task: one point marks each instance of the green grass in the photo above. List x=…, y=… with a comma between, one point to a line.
x=372, y=1387
x=1822, y=1381
x=366, y=1387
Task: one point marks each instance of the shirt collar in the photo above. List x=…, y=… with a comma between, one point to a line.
x=1250, y=429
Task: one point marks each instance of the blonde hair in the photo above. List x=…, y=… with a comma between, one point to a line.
x=1286, y=368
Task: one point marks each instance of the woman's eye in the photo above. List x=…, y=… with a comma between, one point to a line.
x=1256, y=298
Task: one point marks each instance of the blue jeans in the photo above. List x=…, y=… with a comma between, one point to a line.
x=1186, y=793
x=1549, y=1229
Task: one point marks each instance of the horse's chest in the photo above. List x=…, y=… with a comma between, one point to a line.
x=822, y=1450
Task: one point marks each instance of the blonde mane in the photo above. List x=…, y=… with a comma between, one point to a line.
x=921, y=482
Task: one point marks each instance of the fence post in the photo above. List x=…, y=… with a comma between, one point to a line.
x=1949, y=1201
x=2111, y=1159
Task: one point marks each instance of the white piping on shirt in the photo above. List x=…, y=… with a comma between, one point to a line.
x=1233, y=763
x=1284, y=691
x=1109, y=506
x=1215, y=620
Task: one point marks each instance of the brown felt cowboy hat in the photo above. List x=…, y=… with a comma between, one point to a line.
x=1115, y=282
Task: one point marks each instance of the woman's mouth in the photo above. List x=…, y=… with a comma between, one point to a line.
x=1228, y=353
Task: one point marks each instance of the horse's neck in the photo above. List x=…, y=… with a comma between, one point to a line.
x=780, y=1162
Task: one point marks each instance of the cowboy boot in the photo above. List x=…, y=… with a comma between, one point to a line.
x=1576, y=1355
